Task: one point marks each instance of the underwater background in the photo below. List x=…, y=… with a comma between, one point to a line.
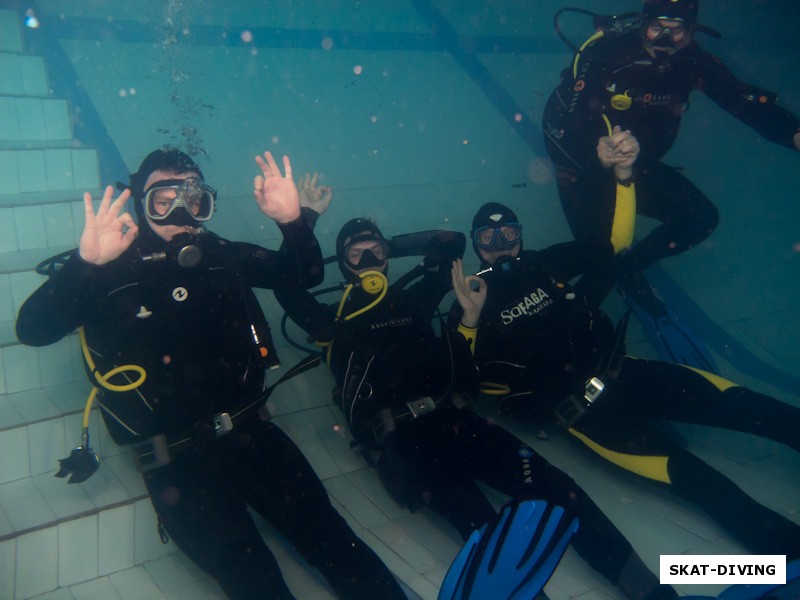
x=416, y=112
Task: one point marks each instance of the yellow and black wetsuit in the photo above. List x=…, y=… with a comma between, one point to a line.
x=615, y=82
x=539, y=341
x=388, y=356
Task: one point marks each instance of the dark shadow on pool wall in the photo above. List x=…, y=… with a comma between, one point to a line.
x=87, y=125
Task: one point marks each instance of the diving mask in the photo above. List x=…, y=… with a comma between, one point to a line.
x=191, y=194
x=498, y=237
x=667, y=34
x=366, y=253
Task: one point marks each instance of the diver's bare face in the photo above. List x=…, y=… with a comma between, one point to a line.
x=167, y=232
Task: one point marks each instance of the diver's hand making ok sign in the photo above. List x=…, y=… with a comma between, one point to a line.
x=470, y=292
x=109, y=232
x=275, y=193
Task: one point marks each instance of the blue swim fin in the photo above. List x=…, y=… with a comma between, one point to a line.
x=716, y=337
x=513, y=558
x=747, y=591
x=674, y=340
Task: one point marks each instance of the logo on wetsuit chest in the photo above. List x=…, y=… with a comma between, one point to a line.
x=651, y=99
x=526, y=454
x=530, y=305
x=623, y=100
x=401, y=322
x=180, y=294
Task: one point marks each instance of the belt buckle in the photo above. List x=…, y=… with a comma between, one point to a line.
x=421, y=406
x=570, y=410
x=383, y=424
x=152, y=454
x=223, y=424
x=594, y=387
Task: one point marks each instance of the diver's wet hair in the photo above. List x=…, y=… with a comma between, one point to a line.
x=166, y=158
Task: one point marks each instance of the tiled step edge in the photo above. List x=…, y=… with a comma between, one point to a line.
x=80, y=549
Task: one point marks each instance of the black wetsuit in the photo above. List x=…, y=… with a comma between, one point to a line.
x=618, y=79
x=388, y=356
x=204, y=343
x=537, y=336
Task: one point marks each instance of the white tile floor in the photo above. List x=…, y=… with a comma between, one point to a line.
x=411, y=141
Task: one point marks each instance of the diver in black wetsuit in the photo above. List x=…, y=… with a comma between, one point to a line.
x=539, y=344
x=405, y=393
x=177, y=302
x=641, y=80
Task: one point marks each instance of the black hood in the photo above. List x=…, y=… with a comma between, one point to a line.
x=167, y=159
x=354, y=230
x=491, y=214
x=682, y=10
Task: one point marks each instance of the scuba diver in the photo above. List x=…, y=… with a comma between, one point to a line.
x=406, y=395
x=179, y=348
x=548, y=355
x=638, y=75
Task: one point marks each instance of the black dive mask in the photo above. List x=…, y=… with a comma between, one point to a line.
x=183, y=249
x=365, y=258
x=664, y=40
x=368, y=259
x=498, y=237
x=664, y=46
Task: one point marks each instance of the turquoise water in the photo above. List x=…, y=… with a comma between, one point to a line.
x=416, y=113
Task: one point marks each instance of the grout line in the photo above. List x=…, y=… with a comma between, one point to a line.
x=86, y=513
